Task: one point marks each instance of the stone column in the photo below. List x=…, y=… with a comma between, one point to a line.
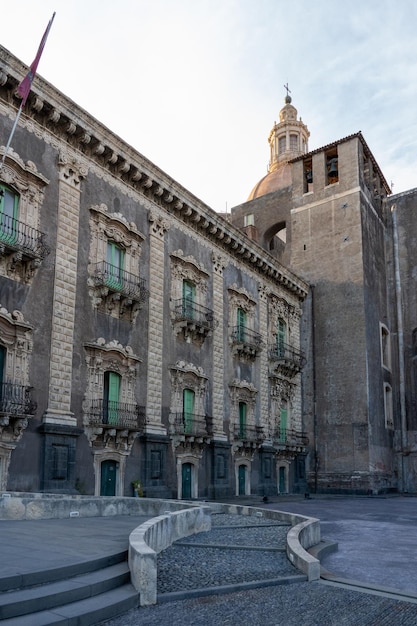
x=219, y=263
x=157, y=230
x=65, y=286
x=263, y=361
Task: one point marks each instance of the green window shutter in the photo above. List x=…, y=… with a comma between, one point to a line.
x=241, y=324
x=188, y=298
x=115, y=261
x=188, y=404
x=9, y=214
x=283, y=416
x=111, y=397
x=281, y=337
x=242, y=418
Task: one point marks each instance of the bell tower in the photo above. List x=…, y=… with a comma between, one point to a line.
x=288, y=138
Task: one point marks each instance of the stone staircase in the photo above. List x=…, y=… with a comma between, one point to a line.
x=80, y=594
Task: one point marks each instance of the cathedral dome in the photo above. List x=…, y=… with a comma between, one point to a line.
x=287, y=140
x=273, y=181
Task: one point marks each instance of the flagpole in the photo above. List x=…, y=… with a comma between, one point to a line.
x=25, y=85
x=11, y=136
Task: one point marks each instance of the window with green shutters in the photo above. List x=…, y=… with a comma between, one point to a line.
x=112, y=383
x=188, y=299
x=188, y=402
x=9, y=214
x=242, y=418
x=281, y=337
x=283, y=418
x=241, y=324
x=115, y=261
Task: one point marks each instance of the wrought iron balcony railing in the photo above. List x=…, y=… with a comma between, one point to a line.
x=192, y=425
x=288, y=437
x=19, y=237
x=287, y=356
x=118, y=280
x=246, y=337
x=15, y=400
x=116, y=415
x=194, y=314
x=252, y=434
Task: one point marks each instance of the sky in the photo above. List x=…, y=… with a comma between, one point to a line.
x=196, y=85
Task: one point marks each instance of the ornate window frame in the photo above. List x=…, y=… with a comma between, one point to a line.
x=188, y=376
x=113, y=227
x=248, y=348
x=16, y=338
x=19, y=261
x=102, y=357
x=200, y=324
x=243, y=391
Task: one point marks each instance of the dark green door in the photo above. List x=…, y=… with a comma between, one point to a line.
x=186, y=480
x=108, y=478
x=282, y=479
x=242, y=480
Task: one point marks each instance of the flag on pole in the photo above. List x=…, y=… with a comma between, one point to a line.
x=26, y=84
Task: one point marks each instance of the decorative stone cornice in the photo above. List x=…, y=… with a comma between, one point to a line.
x=72, y=125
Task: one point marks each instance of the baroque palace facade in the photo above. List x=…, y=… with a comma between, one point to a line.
x=143, y=337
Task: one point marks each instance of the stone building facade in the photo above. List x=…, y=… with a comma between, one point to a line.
x=142, y=336
x=355, y=245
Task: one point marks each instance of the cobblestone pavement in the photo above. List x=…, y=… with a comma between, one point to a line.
x=302, y=603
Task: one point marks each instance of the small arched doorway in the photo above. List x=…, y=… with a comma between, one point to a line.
x=108, y=477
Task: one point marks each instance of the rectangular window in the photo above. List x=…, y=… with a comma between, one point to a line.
x=188, y=400
x=249, y=220
x=241, y=324
x=389, y=416
x=111, y=397
x=188, y=299
x=282, y=144
x=281, y=338
x=385, y=346
x=115, y=265
x=283, y=419
x=9, y=213
x=242, y=419
x=294, y=143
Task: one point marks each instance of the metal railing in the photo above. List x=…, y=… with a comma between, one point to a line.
x=253, y=434
x=118, y=280
x=192, y=424
x=116, y=414
x=246, y=336
x=286, y=353
x=289, y=437
x=194, y=313
x=15, y=399
x=15, y=235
